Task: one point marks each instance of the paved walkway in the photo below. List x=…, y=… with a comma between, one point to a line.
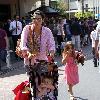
x=89, y=85
x=87, y=89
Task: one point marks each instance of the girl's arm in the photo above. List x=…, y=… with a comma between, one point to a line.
x=64, y=58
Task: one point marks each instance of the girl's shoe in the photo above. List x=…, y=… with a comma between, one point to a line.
x=72, y=97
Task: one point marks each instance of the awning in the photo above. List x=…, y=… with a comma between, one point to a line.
x=73, y=11
x=45, y=10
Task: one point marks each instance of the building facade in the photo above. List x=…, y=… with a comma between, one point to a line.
x=84, y=6
x=96, y=8
x=8, y=8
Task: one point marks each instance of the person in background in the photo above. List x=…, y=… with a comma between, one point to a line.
x=3, y=45
x=76, y=33
x=90, y=24
x=60, y=34
x=86, y=30
x=93, y=38
x=71, y=69
x=16, y=29
x=67, y=28
x=23, y=21
x=9, y=34
x=97, y=43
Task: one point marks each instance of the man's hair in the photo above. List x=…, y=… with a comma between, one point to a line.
x=15, y=16
x=38, y=12
x=94, y=26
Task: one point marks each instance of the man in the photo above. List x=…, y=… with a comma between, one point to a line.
x=97, y=42
x=9, y=34
x=93, y=36
x=16, y=29
x=3, y=45
x=67, y=28
x=76, y=32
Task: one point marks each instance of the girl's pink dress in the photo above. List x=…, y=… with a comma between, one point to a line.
x=71, y=72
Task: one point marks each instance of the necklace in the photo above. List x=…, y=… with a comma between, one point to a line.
x=35, y=43
x=37, y=39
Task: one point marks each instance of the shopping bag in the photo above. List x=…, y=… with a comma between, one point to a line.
x=22, y=91
x=22, y=95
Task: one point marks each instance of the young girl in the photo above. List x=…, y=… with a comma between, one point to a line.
x=71, y=69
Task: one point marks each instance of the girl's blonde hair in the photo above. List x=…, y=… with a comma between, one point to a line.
x=69, y=45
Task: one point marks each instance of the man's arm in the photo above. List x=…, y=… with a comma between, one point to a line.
x=96, y=48
x=97, y=41
x=51, y=43
x=11, y=28
x=6, y=39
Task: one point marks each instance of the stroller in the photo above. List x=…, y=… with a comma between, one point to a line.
x=41, y=70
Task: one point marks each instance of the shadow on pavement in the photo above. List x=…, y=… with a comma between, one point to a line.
x=79, y=98
x=15, y=69
x=87, y=50
x=8, y=73
x=17, y=65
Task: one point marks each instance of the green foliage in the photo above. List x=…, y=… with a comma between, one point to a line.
x=84, y=15
x=62, y=7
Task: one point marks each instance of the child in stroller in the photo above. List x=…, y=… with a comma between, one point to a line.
x=44, y=81
x=46, y=89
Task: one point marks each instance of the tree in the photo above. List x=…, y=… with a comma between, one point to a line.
x=84, y=15
x=62, y=6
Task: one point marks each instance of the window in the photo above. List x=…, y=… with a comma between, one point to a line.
x=72, y=0
x=86, y=7
x=5, y=12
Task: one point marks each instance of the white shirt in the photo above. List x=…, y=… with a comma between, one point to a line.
x=98, y=30
x=13, y=26
x=98, y=33
x=93, y=36
x=60, y=29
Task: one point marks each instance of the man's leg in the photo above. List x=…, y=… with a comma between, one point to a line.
x=15, y=39
x=0, y=64
x=77, y=38
x=73, y=41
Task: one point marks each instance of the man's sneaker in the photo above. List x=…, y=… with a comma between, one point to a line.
x=95, y=66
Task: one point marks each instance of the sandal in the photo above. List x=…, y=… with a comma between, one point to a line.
x=72, y=97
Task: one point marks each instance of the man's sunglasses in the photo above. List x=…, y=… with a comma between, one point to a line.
x=37, y=18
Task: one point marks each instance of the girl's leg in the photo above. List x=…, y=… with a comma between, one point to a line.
x=71, y=92
x=70, y=89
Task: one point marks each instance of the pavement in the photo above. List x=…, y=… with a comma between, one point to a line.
x=87, y=89
x=89, y=84
x=11, y=63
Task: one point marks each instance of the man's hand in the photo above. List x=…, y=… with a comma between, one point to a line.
x=97, y=54
x=24, y=53
x=52, y=53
